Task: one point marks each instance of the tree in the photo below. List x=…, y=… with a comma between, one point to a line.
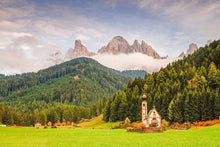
x=212, y=75
x=171, y=111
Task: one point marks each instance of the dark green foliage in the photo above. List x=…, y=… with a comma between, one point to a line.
x=185, y=91
x=79, y=82
x=61, y=113
x=69, y=91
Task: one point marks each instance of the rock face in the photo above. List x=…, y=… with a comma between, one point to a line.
x=182, y=54
x=192, y=48
x=119, y=45
x=78, y=51
x=148, y=50
x=209, y=41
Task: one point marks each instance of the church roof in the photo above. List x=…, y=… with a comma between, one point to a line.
x=151, y=112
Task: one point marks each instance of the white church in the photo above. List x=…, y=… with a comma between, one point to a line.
x=153, y=117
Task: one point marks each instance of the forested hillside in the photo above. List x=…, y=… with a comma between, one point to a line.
x=66, y=91
x=80, y=82
x=185, y=91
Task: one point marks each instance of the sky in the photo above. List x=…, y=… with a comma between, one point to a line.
x=29, y=29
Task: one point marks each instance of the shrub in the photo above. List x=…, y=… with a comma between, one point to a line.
x=165, y=124
x=127, y=122
x=116, y=125
x=186, y=125
x=58, y=123
x=134, y=124
x=49, y=123
x=206, y=123
x=63, y=123
x=141, y=125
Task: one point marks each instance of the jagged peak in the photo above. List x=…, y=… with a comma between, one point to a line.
x=118, y=37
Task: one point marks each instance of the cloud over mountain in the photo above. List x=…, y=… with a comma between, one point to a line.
x=134, y=61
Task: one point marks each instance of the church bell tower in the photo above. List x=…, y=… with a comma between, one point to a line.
x=144, y=109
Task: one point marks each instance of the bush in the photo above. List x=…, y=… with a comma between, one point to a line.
x=134, y=124
x=165, y=124
x=206, y=123
x=127, y=122
x=152, y=125
x=45, y=127
x=49, y=123
x=117, y=125
x=141, y=125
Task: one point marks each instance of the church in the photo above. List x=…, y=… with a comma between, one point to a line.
x=151, y=118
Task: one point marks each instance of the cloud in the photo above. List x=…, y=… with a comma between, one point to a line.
x=196, y=16
x=135, y=61
x=18, y=24
x=28, y=54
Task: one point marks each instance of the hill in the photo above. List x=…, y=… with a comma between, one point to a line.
x=187, y=90
x=97, y=123
x=79, y=82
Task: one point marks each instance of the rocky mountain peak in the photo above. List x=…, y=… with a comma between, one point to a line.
x=119, y=45
x=192, y=48
x=78, y=51
x=136, y=47
x=209, y=41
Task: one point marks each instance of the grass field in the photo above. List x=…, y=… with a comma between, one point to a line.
x=97, y=123
x=9, y=136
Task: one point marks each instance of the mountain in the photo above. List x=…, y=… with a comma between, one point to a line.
x=80, y=82
x=119, y=45
x=186, y=90
x=192, y=48
x=209, y=41
x=78, y=51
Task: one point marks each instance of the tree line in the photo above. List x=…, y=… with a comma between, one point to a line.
x=185, y=91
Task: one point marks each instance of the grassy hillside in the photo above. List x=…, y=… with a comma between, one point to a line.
x=97, y=123
x=104, y=137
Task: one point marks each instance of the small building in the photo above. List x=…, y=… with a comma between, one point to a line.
x=37, y=125
x=153, y=117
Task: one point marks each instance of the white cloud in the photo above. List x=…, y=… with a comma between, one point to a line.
x=27, y=54
x=135, y=61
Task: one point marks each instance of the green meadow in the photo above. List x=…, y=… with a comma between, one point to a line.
x=9, y=136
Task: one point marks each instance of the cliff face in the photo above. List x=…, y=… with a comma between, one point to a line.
x=119, y=45
x=78, y=51
x=192, y=48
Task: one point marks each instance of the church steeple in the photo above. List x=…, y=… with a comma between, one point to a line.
x=144, y=108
